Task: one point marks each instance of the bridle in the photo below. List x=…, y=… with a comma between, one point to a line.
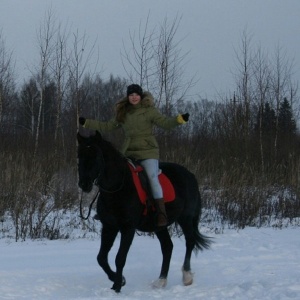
x=101, y=188
x=90, y=206
x=97, y=181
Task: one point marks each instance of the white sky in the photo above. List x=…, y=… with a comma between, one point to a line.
x=212, y=30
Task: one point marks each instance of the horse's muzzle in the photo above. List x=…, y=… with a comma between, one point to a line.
x=85, y=186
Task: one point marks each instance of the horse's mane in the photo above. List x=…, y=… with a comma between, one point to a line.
x=91, y=143
x=108, y=149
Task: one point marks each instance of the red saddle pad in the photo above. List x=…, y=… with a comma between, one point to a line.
x=167, y=186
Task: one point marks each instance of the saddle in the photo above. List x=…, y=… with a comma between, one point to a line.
x=142, y=187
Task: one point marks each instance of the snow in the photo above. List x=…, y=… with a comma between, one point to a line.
x=247, y=264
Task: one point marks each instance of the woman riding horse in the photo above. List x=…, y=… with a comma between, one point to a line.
x=120, y=210
x=137, y=115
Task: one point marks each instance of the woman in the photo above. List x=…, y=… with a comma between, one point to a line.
x=137, y=115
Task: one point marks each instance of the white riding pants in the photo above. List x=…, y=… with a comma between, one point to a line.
x=152, y=170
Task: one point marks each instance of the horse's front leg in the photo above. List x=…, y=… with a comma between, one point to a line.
x=108, y=237
x=125, y=243
x=166, y=249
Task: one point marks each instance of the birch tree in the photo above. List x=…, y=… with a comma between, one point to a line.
x=45, y=38
x=261, y=78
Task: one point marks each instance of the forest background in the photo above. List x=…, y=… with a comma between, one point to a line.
x=243, y=147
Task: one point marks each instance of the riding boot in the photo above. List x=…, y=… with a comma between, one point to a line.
x=162, y=219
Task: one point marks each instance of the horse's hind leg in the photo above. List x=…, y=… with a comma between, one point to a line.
x=166, y=245
x=108, y=237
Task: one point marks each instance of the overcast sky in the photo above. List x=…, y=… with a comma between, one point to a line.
x=212, y=31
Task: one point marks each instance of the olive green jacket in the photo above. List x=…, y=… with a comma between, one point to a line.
x=139, y=143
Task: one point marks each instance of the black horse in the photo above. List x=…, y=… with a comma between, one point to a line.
x=120, y=209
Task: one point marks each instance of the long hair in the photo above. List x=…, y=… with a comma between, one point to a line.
x=124, y=106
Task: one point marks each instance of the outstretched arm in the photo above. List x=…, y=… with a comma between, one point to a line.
x=99, y=125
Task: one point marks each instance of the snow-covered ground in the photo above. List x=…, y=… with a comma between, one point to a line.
x=247, y=264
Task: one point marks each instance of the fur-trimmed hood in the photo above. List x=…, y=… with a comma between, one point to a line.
x=146, y=101
x=123, y=107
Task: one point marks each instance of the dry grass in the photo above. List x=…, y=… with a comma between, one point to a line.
x=34, y=192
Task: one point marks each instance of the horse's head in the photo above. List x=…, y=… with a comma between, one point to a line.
x=90, y=161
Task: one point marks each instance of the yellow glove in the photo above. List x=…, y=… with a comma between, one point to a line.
x=180, y=119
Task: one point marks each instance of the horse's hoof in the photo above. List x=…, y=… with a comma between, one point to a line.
x=123, y=281
x=187, y=277
x=116, y=288
x=160, y=283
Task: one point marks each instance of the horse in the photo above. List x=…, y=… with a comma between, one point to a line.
x=121, y=211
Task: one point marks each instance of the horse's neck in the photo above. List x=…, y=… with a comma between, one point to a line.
x=112, y=157
x=114, y=170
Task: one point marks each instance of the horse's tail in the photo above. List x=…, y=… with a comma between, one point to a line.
x=201, y=241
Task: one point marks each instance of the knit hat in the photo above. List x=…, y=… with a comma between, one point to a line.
x=134, y=88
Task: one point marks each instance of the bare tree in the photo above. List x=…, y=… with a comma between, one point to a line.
x=156, y=62
x=29, y=102
x=45, y=37
x=170, y=66
x=261, y=77
x=6, y=78
x=79, y=58
x=281, y=84
x=244, y=78
x=140, y=56
x=59, y=68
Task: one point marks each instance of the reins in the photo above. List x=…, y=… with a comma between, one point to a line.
x=96, y=182
x=90, y=207
x=116, y=190
x=98, y=192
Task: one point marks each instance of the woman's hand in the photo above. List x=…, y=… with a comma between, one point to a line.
x=185, y=117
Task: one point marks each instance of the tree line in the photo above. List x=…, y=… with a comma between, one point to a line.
x=241, y=146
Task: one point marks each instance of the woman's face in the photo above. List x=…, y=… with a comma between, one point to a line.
x=134, y=98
